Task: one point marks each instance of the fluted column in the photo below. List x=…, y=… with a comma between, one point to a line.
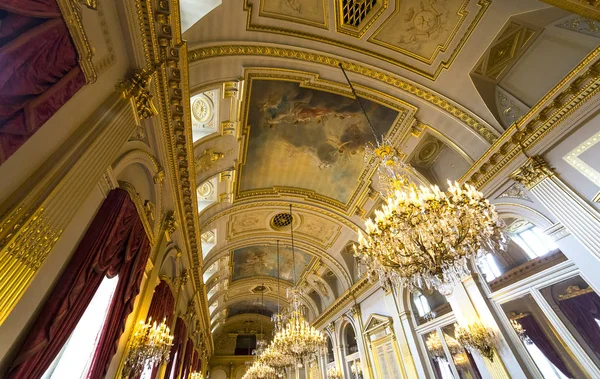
x=365, y=359
x=469, y=306
x=573, y=212
x=407, y=364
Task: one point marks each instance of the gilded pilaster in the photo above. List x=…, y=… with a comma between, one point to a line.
x=30, y=229
x=532, y=172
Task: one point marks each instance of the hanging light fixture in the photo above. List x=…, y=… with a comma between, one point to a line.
x=279, y=317
x=259, y=370
x=149, y=346
x=298, y=339
x=423, y=236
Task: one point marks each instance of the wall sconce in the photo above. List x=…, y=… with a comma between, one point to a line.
x=477, y=336
x=356, y=369
x=333, y=373
x=150, y=346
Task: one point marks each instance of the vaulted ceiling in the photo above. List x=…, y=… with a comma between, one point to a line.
x=275, y=124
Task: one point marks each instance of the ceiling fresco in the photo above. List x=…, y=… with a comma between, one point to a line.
x=262, y=261
x=266, y=308
x=301, y=138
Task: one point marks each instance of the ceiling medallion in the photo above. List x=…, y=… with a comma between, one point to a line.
x=202, y=109
x=423, y=237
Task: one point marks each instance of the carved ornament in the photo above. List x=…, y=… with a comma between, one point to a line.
x=136, y=88
x=532, y=172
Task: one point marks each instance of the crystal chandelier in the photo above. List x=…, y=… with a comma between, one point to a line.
x=149, y=346
x=276, y=359
x=259, y=370
x=423, y=236
x=297, y=338
x=333, y=373
x=196, y=375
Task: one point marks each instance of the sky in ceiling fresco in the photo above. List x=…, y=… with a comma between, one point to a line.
x=262, y=261
x=308, y=139
x=255, y=305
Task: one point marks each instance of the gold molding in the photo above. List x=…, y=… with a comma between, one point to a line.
x=139, y=206
x=380, y=56
x=348, y=297
x=276, y=16
x=578, y=164
x=484, y=4
x=447, y=106
x=71, y=13
x=585, y=8
x=532, y=172
x=576, y=88
x=574, y=291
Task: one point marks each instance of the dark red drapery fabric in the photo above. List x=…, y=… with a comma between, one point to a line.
x=180, y=335
x=114, y=244
x=537, y=335
x=187, y=359
x=583, y=311
x=39, y=69
x=162, y=304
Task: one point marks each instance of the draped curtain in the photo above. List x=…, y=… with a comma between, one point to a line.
x=187, y=359
x=39, y=69
x=537, y=335
x=177, y=348
x=114, y=244
x=583, y=311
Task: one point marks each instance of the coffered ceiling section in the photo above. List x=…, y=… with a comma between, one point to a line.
x=423, y=36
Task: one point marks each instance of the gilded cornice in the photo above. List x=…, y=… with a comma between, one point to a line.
x=447, y=106
x=578, y=87
x=532, y=172
x=164, y=51
x=342, y=301
x=484, y=4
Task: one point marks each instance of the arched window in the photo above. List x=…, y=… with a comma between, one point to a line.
x=350, y=340
x=330, y=356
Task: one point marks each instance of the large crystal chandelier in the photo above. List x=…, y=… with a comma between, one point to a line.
x=297, y=339
x=149, y=346
x=259, y=370
x=423, y=236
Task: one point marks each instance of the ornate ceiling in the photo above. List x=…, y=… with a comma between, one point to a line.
x=276, y=124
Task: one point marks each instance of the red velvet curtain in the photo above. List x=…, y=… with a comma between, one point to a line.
x=162, y=304
x=180, y=334
x=537, y=335
x=114, y=244
x=196, y=362
x=187, y=359
x=39, y=69
x=583, y=311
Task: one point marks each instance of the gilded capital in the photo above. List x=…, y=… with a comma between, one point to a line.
x=532, y=172
x=136, y=88
x=91, y=4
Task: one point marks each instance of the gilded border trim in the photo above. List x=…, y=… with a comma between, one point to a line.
x=71, y=13
x=383, y=57
x=477, y=125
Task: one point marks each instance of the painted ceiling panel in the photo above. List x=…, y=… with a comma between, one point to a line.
x=307, y=139
x=262, y=261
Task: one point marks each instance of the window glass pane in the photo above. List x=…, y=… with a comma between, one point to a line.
x=578, y=307
x=463, y=361
x=437, y=356
x=533, y=241
x=536, y=330
x=76, y=357
x=545, y=239
x=517, y=238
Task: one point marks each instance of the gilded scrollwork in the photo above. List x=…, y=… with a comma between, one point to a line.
x=136, y=88
x=532, y=172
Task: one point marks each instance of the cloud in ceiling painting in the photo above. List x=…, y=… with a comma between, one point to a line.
x=262, y=261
